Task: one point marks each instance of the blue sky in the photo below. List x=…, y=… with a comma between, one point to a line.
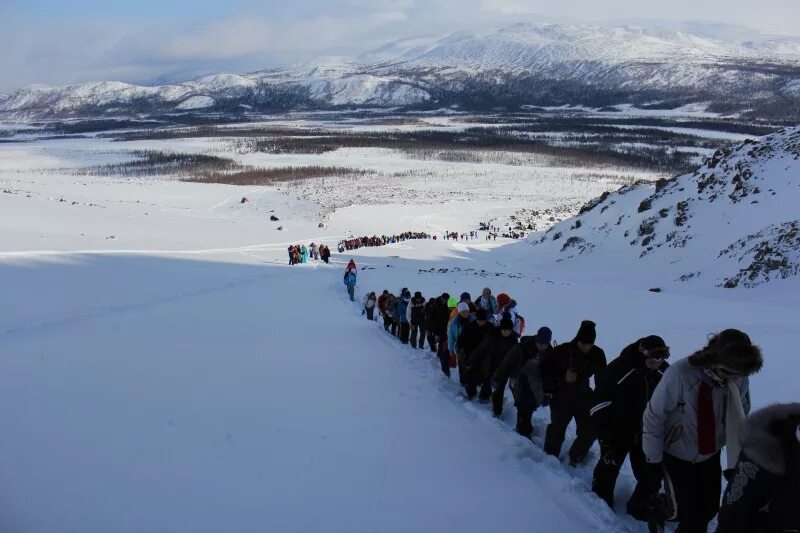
x=145, y=41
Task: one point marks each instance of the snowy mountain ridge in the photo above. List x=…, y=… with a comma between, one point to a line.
x=733, y=222
x=539, y=64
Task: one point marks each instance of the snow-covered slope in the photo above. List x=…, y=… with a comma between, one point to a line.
x=525, y=63
x=731, y=223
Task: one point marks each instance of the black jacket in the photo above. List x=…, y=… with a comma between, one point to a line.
x=566, y=356
x=430, y=314
x=622, y=391
x=486, y=357
x=521, y=364
x=441, y=317
x=471, y=337
x=417, y=311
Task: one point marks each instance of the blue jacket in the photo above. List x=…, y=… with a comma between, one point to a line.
x=350, y=279
x=454, y=329
x=402, y=306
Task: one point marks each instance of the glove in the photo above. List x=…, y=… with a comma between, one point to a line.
x=655, y=475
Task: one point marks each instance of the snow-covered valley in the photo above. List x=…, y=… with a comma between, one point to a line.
x=164, y=369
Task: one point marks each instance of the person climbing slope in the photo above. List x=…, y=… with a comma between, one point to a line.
x=350, y=281
x=520, y=367
x=566, y=375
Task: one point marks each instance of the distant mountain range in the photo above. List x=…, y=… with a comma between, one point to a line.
x=731, y=223
x=524, y=64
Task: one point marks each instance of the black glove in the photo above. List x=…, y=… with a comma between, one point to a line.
x=655, y=475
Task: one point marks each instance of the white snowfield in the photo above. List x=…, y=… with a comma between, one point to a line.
x=163, y=370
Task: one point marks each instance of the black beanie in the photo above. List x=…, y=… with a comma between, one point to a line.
x=586, y=333
x=653, y=342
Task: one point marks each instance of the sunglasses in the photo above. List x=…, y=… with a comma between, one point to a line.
x=657, y=353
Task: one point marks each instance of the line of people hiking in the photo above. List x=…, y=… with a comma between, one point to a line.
x=300, y=253
x=380, y=240
x=671, y=422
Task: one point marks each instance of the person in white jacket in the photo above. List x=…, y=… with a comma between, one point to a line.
x=695, y=410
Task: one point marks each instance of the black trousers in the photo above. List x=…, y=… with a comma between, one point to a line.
x=405, y=329
x=351, y=290
x=387, y=322
x=417, y=336
x=444, y=355
x=694, y=489
x=370, y=313
x=570, y=402
x=431, y=341
x=612, y=457
x=525, y=421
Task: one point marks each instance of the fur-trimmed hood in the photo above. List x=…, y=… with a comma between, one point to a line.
x=759, y=442
x=730, y=348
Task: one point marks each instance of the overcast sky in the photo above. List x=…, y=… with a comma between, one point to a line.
x=145, y=41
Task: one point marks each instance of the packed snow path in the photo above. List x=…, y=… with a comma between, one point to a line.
x=204, y=397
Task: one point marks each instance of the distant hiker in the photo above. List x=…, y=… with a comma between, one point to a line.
x=382, y=304
x=416, y=317
x=325, y=253
x=566, y=375
x=352, y=264
x=390, y=322
x=487, y=302
x=621, y=395
x=764, y=490
x=402, y=315
x=303, y=254
x=520, y=366
x=697, y=408
x=441, y=321
x=291, y=255
x=506, y=304
x=350, y=282
x=471, y=337
x=454, y=328
x=485, y=359
x=314, y=252
x=430, y=323
x=369, y=305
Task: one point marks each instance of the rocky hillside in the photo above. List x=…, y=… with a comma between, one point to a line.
x=534, y=64
x=731, y=223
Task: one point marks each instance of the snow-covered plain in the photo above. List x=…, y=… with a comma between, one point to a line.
x=163, y=369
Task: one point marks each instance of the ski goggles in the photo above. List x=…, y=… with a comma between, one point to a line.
x=657, y=353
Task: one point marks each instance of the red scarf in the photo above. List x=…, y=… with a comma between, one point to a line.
x=706, y=421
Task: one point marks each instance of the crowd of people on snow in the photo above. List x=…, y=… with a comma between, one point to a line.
x=380, y=240
x=670, y=421
x=300, y=253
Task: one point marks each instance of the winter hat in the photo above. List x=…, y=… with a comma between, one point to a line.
x=480, y=314
x=417, y=294
x=462, y=306
x=465, y=297
x=506, y=322
x=731, y=349
x=451, y=303
x=586, y=333
x=486, y=292
x=544, y=335
x=445, y=296
x=385, y=292
x=503, y=299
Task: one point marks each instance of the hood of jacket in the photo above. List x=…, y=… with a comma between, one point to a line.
x=760, y=443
